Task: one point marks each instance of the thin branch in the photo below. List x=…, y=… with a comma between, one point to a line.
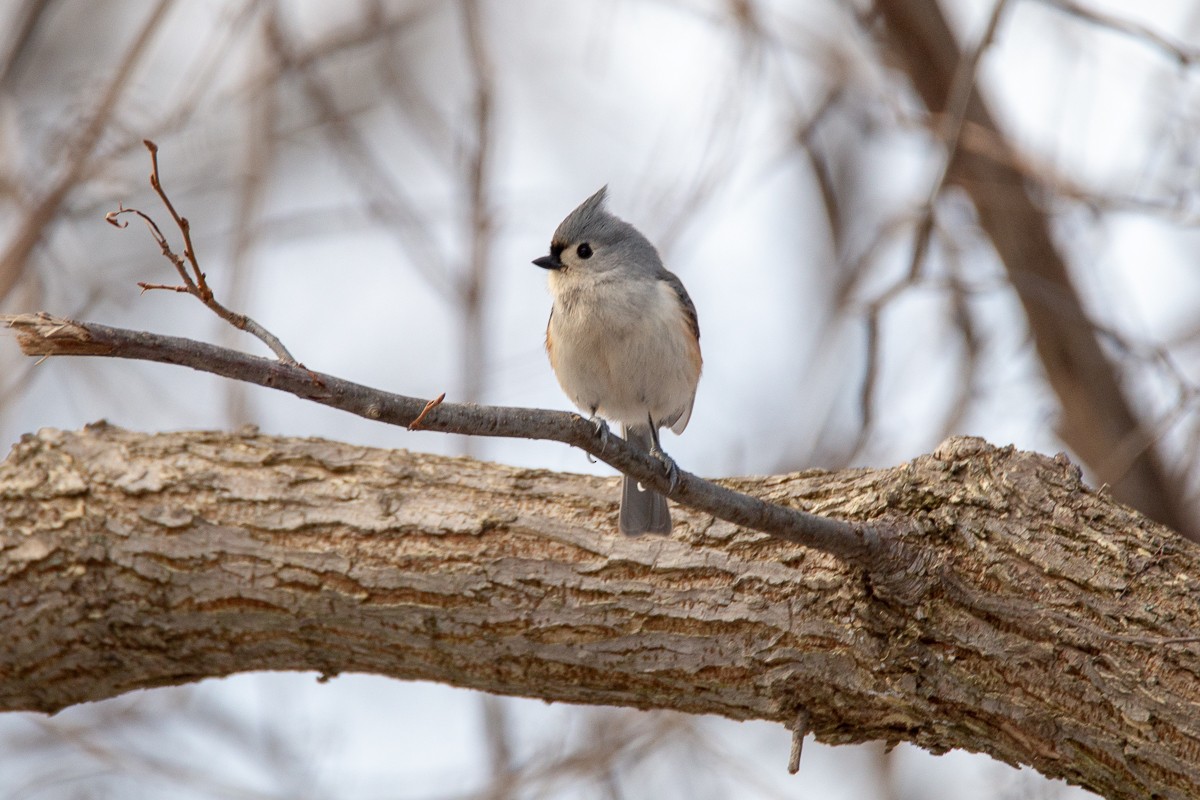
x=872, y=315
x=970, y=334
x=871, y=547
x=799, y=731
x=195, y=282
x=474, y=285
x=147, y=287
x=1182, y=54
x=497, y=737
x=185, y=228
x=961, y=88
x=805, y=138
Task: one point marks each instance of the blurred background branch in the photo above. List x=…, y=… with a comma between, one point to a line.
x=1096, y=421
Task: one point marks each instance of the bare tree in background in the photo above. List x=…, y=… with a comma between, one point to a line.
x=912, y=203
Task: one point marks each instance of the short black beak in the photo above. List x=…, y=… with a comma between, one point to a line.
x=548, y=262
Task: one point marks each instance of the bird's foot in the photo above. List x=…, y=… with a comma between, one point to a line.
x=669, y=466
x=602, y=433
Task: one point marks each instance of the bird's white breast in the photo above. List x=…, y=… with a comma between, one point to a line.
x=623, y=348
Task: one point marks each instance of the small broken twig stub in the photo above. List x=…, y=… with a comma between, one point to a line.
x=430, y=406
x=799, y=731
x=43, y=335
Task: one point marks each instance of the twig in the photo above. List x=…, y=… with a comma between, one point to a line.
x=430, y=406
x=874, y=547
x=473, y=286
x=189, y=252
x=962, y=86
x=164, y=286
x=799, y=731
x=194, y=280
x=872, y=318
x=1182, y=54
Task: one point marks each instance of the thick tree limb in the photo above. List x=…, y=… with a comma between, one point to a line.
x=1061, y=629
x=1097, y=422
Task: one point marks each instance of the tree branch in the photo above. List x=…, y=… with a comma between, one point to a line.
x=870, y=547
x=1061, y=630
x=195, y=282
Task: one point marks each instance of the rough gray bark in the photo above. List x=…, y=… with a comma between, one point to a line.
x=1054, y=628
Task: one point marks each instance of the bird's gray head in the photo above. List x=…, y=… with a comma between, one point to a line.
x=594, y=241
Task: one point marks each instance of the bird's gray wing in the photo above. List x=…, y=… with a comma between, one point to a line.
x=689, y=308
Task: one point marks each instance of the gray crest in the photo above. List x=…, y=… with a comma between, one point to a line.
x=588, y=220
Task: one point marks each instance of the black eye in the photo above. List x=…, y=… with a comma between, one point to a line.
x=584, y=250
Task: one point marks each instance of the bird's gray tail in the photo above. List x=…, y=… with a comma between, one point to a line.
x=642, y=510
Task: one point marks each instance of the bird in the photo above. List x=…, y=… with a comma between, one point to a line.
x=623, y=340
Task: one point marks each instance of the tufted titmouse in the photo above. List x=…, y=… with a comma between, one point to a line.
x=623, y=340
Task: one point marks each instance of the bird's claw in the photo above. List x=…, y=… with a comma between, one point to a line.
x=602, y=433
x=669, y=466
